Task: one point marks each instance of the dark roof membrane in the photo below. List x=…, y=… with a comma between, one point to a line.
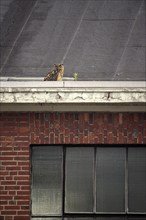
x=98, y=39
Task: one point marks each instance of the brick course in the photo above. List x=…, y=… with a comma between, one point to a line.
x=19, y=130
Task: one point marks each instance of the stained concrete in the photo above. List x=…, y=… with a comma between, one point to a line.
x=73, y=92
x=73, y=96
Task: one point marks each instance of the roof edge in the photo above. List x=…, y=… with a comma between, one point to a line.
x=73, y=96
x=67, y=82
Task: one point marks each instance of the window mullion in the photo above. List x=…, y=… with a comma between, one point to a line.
x=126, y=181
x=63, y=179
x=94, y=181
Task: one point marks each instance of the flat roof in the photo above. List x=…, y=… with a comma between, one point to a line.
x=100, y=40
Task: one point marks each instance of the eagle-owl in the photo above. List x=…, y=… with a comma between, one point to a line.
x=56, y=74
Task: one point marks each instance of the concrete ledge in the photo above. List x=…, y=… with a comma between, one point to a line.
x=39, y=83
x=75, y=95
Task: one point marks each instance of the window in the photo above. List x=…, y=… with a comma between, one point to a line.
x=88, y=182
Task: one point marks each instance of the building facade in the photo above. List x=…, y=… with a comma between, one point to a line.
x=73, y=150
x=72, y=162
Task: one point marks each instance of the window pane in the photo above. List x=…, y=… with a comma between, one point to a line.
x=111, y=218
x=46, y=218
x=98, y=218
x=137, y=179
x=136, y=218
x=110, y=179
x=46, y=180
x=80, y=218
x=79, y=179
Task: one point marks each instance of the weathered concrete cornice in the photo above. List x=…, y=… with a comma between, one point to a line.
x=74, y=95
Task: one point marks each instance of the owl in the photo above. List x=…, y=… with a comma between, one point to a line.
x=55, y=74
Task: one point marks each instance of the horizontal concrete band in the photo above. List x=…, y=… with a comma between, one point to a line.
x=71, y=108
x=44, y=95
x=38, y=82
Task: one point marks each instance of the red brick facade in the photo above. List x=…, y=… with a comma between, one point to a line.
x=19, y=130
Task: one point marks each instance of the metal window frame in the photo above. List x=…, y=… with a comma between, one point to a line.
x=93, y=214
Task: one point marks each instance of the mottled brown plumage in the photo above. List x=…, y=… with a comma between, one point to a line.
x=56, y=74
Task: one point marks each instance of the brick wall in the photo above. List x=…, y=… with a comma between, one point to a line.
x=19, y=130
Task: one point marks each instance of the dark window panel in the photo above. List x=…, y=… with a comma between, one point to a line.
x=137, y=179
x=80, y=218
x=137, y=217
x=79, y=179
x=110, y=179
x=111, y=218
x=47, y=180
x=47, y=218
x=97, y=218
